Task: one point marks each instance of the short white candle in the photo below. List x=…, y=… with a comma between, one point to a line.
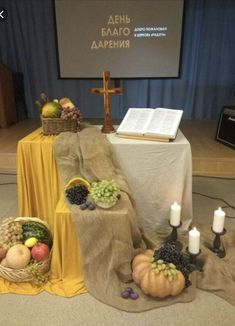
x=175, y=214
x=218, y=222
x=194, y=241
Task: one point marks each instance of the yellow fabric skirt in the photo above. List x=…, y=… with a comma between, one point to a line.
x=39, y=195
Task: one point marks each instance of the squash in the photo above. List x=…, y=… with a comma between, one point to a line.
x=156, y=278
x=18, y=256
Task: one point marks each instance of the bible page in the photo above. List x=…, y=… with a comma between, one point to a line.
x=135, y=121
x=164, y=123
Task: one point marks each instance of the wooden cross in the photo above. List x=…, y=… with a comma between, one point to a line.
x=107, y=92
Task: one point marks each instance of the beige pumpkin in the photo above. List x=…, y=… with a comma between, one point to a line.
x=156, y=279
x=18, y=256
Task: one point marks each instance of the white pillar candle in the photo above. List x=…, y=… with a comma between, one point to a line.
x=175, y=214
x=194, y=241
x=218, y=222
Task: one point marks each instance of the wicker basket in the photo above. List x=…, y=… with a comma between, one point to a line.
x=54, y=126
x=27, y=274
x=106, y=205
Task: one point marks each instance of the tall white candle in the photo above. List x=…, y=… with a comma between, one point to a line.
x=194, y=241
x=218, y=222
x=175, y=214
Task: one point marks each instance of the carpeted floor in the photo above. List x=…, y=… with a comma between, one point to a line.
x=45, y=309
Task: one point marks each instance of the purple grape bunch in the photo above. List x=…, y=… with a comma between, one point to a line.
x=71, y=114
x=87, y=205
x=77, y=194
x=129, y=293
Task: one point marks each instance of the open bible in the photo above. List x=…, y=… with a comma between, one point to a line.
x=158, y=124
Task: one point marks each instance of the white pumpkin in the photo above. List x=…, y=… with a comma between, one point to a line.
x=18, y=256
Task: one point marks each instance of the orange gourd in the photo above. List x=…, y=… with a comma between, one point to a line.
x=157, y=279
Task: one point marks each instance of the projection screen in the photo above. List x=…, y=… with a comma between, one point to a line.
x=131, y=39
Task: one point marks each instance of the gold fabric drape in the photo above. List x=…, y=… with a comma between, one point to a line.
x=37, y=177
x=39, y=195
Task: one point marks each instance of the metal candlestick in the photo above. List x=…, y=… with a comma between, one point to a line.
x=220, y=252
x=174, y=235
x=193, y=260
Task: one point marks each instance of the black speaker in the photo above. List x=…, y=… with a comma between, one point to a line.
x=226, y=126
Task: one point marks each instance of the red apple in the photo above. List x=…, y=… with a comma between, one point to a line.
x=40, y=251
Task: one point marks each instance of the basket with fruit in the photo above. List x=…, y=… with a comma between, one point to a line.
x=77, y=190
x=104, y=193
x=58, y=115
x=25, y=250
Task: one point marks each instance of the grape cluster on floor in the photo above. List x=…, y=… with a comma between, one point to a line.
x=87, y=205
x=129, y=293
x=171, y=254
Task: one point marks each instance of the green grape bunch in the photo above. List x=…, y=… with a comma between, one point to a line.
x=11, y=233
x=38, y=277
x=105, y=192
x=169, y=253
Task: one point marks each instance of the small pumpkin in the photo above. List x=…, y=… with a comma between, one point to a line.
x=156, y=278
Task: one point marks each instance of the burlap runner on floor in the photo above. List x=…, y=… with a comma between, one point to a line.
x=110, y=238
x=218, y=275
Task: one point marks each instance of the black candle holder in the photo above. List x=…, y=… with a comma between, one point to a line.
x=193, y=261
x=174, y=235
x=216, y=247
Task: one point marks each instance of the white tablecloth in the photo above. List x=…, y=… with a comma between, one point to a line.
x=158, y=174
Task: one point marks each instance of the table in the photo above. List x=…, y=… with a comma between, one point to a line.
x=149, y=168
x=158, y=174
x=39, y=194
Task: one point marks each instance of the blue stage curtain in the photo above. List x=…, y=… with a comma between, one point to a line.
x=207, y=74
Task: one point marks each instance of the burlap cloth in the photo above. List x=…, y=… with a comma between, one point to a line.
x=110, y=238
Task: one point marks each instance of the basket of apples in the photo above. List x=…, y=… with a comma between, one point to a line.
x=25, y=250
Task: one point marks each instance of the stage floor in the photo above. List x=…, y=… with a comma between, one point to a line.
x=210, y=158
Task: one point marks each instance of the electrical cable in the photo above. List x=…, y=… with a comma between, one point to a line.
x=217, y=198
x=213, y=177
